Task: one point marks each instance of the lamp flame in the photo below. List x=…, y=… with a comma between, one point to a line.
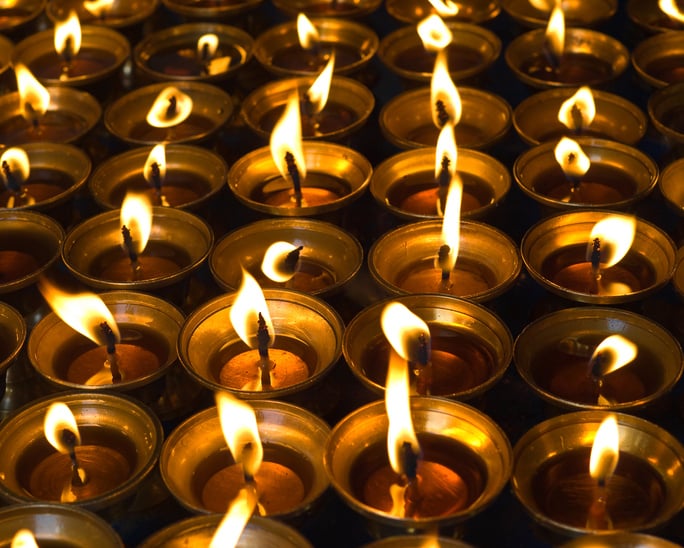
x=434, y=33
x=404, y=331
x=8, y=4
x=207, y=44
x=615, y=234
x=275, y=262
x=306, y=32
x=572, y=159
x=98, y=8
x=555, y=32
x=611, y=354
x=34, y=99
x=578, y=112
x=669, y=8
x=444, y=97
x=58, y=418
x=286, y=137
x=244, y=314
x=445, y=8
x=156, y=156
x=23, y=538
x=83, y=312
x=232, y=525
x=15, y=164
x=451, y=224
x=170, y=108
x=136, y=215
x=446, y=148
x=239, y=427
x=320, y=89
x=67, y=38
x=605, y=451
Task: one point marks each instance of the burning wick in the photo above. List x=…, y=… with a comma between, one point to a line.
x=292, y=260
x=265, y=363
x=421, y=365
x=171, y=109
x=156, y=177
x=442, y=114
x=443, y=262
x=408, y=486
x=443, y=181
x=132, y=255
x=67, y=55
x=78, y=475
x=603, y=461
x=595, y=259
x=111, y=360
x=10, y=180
x=577, y=118
x=294, y=175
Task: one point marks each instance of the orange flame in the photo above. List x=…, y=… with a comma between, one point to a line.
x=156, y=156
x=451, y=223
x=249, y=302
x=434, y=33
x=306, y=32
x=578, y=111
x=239, y=427
x=606, y=450
x=207, y=44
x=287, y=137
x=572, y=159
x=232, y=525
x=59, y=417
x=555, y=31
x=446, y=148
x=136, y=215
x=320, y=89
x=273, y=263
x=23, y=538
x=669, y=8
x=34, y=99
x=616, y=234
x=16, y=161
x=616, y=351
x=444, y=91
x=98, y=8
x=170, y=108
x=445, y=8
x=68, y=35
x=404, y=330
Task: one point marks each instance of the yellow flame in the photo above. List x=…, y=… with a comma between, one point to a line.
x=616, y=351
x=606, y=450
x=434, y=33
x=404, y=330
x=83, y=312
x=451, y=224
x=446, y=147
x=59, y=417
x=616, y=234
x=232, y=525
x=17, y=161
x=442, y=88
x=24, y=538
x=273, y=263
x=669, y=8
x=239, y=427
x=170, y=108
x=156, y=156
x=287, y=137
x=320, y=89
x=555, y=31
x=8, y=4
x=572, y=159
x=34, y=99
x=69, y=31
x=249, y=302
x=445, y=8
x=578, y=111
x=207, y=42
x=306, y=32
x=136, y=215
x=98, y=8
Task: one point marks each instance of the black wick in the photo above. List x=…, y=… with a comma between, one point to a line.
x=295, y=176
x=110, y=339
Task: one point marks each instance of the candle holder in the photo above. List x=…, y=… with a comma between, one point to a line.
x=102, y=54
x=469, y=11
x=463, y=440
x=57, y=524
x=222, y=10
x=403, y=184
x=120, y=459
x=471, y=346
x=552, y=355
x=194, y=177
x=199, y=530
x=171, y=54
x=327, y=8
x=18, y=16
x=658, y=59
x=199, y=471
x=620, y=176
x=665, y=106
x=6, y=47
x=485, y=121
x=57, y=172
x=349, y=105
x=551, y=474
x=279, y=52
x=590, y=58
x=336, y=177
x=12, y=338
x=125, y=117
x=618, y=540
x=330, y=259
x=149, y=326
x=488, y=263
x=535, y=119
x=669, y=186
x=554, y=253
x=179, y=243
x=122, y=14
x=416, y=541
x=650, y=18
x=526, y=14
x=472, y=51
x=70, y=116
